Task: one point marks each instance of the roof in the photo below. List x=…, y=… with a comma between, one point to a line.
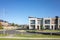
x=3, y=21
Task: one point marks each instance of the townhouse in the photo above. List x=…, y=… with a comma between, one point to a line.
x=45, y=23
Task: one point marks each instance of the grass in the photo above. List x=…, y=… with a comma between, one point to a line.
x=7, y=39
x=43, y=30
x=37, y=36
x=25, y=39
x=3, y=35
x=33, y=35
x=51, y=30
x=11, y=39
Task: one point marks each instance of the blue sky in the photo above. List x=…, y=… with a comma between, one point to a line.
x=18, y=11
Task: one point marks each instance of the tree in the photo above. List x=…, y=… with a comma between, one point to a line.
x=12, y=24
x=16, y=25
x=1, y=26
x=42, y=27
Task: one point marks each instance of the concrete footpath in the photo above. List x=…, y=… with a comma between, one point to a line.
x=30, y=38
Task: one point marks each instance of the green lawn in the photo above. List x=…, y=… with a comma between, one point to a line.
x=7, y=39
x=51, y=30
x=11, y=39
x=38, y=36
x=3, y=35
x=14, y=39
x=25, y=39
x=43, y=30
x=33, y=35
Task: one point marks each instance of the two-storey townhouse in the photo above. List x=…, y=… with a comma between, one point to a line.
x=47, y=23
x=35, y=23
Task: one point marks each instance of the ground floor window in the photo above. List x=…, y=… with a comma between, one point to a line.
x=47, y=26
x=59, y=26
x=33, y=26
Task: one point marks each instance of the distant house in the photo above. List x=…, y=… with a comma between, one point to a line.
x=23, y=27
x=6, y=25
x=46, y=23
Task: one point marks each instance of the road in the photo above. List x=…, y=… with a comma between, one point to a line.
x=17, y=32
x=13, y=32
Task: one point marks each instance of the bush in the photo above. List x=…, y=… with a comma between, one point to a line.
x=1, y=26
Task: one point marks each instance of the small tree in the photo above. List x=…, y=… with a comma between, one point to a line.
x=12, y=24
x=17, y=25
x=42, y=27
x=1, y=26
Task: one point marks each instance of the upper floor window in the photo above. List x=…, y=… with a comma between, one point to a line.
x=47, y=21
x=32, y=21
x=39, y=21
x=53, y=21
x=59, y=21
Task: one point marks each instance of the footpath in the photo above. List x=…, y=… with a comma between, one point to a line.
x=12, y=37
x=28, y=38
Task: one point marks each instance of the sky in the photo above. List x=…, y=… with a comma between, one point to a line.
x=18, y=11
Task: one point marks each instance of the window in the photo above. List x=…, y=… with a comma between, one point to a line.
x=33, y=26
x=39, y=22
x=53, y=21
x=47, y=26
x=59, y=26
x=59, y=21
x=32, y=21
x=47, y=21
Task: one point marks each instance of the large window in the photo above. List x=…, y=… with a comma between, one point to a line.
x=39, y=21
x=33, y=26
x=59, y=26
x=32, y=21
x=47, y=21
x=47, y=26
x=59, y=21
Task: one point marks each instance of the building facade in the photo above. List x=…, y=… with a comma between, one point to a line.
x=45, y=23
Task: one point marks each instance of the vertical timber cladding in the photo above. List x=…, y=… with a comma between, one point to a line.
x=56, y=22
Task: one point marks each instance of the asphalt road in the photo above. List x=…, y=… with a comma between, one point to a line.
x=17, y=32
x=13, y=32
x=9, y=32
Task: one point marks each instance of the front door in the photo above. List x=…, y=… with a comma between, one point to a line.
x=38, y=27
x=52, y=27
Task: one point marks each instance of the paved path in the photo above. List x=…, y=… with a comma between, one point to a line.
x=11, y=35
x=29, y=38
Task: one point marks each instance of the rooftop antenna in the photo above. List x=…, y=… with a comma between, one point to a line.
x=5, y=16
x=4, y=12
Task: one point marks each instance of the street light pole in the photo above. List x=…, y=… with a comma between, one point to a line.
x=4, y=15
